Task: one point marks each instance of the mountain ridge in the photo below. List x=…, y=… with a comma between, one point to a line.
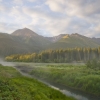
x=72, y=41
x=27, y=41
x=24, y=32
x=31, y=38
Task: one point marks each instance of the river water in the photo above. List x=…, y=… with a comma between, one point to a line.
x=65, y=90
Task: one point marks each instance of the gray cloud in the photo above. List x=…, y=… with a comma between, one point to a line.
x=52, y=17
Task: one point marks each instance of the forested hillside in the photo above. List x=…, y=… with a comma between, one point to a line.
x=58, y=56
x=32, y=39
x=11, y=45
x=25, y=40
x=21, y=41
x=73, y=41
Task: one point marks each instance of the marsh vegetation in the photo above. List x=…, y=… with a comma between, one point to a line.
x=14, y=86
x=80, y=77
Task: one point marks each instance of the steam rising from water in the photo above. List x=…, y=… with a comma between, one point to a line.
x=4, y=63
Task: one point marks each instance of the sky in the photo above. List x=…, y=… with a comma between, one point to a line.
x=51, y=17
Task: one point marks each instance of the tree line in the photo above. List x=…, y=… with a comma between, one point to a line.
x=58, y=56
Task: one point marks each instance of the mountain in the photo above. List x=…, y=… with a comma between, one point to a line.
x=21, y=41
x=24, y=33
x=72, y=41
x=26, y=41
x=33, y=40
x=10, y=44
x=97, y=40
x=55, y=38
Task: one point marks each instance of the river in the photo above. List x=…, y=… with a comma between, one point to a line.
x=65, y=90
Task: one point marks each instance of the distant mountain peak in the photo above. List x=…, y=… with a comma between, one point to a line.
x=26, y=28
x=75, y=33
x=56, y=38
x=66, y=36
x=25, y=32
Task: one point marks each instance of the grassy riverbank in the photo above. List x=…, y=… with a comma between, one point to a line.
x=14, y=86
x=76, y=76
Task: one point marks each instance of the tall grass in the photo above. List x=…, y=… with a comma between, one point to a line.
x=14, y=86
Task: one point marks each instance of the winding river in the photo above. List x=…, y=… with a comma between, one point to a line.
x=65, y=90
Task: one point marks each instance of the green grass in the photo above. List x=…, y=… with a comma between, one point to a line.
x=14, y=86
x=78, y=77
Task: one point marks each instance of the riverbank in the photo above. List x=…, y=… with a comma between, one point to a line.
x=45, y=71
x=78, y=77
x=14, y=86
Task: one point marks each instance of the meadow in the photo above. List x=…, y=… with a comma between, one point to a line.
x=14, y=86
x=79, y=76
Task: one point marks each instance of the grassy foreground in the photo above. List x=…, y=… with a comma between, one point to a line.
x=75, y=76
x=14, y=86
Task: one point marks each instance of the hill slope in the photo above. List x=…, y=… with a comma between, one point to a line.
x=21, y=41
x=27, y=41
x=72, y=41
x=55, y=38
x=32, y=39
x=11, y=44
x=97, y=40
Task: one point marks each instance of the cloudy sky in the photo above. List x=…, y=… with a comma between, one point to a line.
x=51, y=17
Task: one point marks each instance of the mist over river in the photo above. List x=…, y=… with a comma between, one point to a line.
x=25, y=68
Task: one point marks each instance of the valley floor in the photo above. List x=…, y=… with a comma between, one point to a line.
x=14, y=86
x=75, y=76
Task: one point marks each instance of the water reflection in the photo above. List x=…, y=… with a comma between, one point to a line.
x=69, y=93
x=78, y=97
